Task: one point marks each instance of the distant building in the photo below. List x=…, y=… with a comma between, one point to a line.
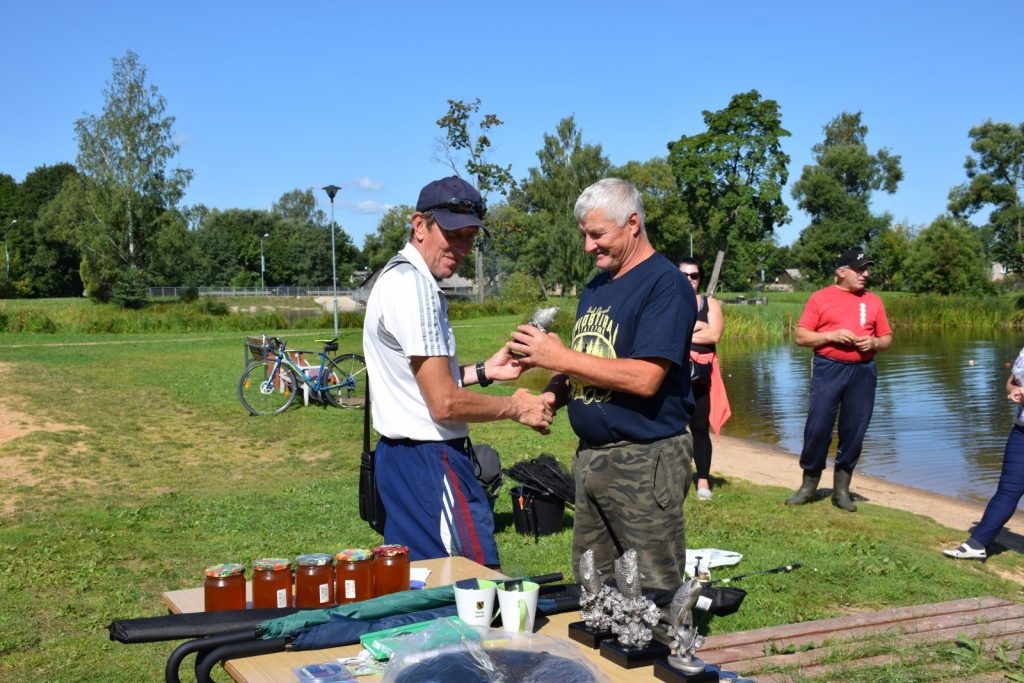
x=785, y=282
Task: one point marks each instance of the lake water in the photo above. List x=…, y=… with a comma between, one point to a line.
x=941, y=416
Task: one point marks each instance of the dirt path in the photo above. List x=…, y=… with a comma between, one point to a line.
x=762, y=464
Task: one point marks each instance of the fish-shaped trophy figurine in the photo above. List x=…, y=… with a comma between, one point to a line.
x=684, y=634
x=596, y=599
x=634, y=614
x=544, y=318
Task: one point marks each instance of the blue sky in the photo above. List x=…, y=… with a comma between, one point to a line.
x=270, y=96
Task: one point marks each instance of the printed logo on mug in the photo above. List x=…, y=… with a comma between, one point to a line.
x=474, y=600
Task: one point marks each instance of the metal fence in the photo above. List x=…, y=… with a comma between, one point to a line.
x=174, y=292
x=357, y=295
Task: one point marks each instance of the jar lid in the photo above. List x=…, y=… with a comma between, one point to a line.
x=391, y=550
x=353, y=555
x=271, y=563
x=313, y=560
x=220, y=571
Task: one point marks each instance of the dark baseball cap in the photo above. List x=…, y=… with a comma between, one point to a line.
x=454, y=203
x=853, y=258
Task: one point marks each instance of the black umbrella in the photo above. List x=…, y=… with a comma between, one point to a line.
x=545, y=474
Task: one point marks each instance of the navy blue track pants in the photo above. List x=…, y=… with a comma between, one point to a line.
x=846, y=390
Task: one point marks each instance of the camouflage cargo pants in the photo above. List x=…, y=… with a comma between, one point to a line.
x=630, y=495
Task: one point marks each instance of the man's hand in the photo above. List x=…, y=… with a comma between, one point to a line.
x=503, y=366
x=536, y=348
x=865, y=344
x=533, y=411
x=845, y=337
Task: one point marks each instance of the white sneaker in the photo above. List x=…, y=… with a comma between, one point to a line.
x=703, y=494
x=965, y=552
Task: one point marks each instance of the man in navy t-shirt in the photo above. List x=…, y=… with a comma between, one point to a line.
x=626, y=382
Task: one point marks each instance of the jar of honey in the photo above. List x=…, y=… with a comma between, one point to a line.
x=271, y=583
x=224, y=587
x=354, y=571
x=390, y=569
x=314, y=581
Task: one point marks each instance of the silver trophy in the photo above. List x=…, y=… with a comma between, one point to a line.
x=633, y=615
x=684, y=634
x=596, y=599
x=544, y=318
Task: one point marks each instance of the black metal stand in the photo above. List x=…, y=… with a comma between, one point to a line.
x=632, y=657
x=584, y=635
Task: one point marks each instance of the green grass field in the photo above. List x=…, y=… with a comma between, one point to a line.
x=139, y=468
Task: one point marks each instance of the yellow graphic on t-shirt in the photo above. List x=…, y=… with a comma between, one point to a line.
x=594, y=333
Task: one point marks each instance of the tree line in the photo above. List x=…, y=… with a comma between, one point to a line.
x=112, y=224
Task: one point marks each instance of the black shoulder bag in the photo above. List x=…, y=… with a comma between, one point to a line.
x=371, y=507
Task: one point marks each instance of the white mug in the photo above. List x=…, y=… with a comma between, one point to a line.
x=474, y=599
x=517, y=604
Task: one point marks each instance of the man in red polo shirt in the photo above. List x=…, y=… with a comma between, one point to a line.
x=846, y=326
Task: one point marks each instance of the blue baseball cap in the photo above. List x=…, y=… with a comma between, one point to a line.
x=454, y=203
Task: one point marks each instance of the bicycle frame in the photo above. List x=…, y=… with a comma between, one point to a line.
x=265, y=388
x=316, y=384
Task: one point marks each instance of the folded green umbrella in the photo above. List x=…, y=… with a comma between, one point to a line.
x=384, y=606
x=402, y=602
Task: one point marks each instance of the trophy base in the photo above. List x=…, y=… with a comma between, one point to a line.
x=632, y=657
x=664, y=671
x=584, y=635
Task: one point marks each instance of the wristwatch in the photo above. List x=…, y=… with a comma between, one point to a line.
x=481, y=375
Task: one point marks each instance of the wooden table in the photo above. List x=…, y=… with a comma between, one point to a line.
x=279, y=667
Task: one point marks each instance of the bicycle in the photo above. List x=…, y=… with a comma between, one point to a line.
x=275, y=376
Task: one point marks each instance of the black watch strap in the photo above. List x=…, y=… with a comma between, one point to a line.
x=481, y=375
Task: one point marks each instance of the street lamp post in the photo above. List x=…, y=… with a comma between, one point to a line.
x=263, y=262
x=331, y=191
x=691, y=240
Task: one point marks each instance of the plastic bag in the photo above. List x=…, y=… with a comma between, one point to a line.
x=449, y=650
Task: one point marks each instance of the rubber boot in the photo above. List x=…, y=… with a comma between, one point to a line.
x=805, y=494
x=841, y=491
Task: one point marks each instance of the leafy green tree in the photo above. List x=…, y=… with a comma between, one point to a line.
x=542, y=207
x=8, y=199
x=731, y=176
x=459, y=141
x=489, y=176
x=8, y=222
x=836, y=194
x=126, y=183
x=521, y=288
x=43, y=250
x=996, y=180
x=890, y=249
x=392, y=234
x=300, y=205
x=175, y=258
x=229, y=242
x=669, y=226
x=947, y=257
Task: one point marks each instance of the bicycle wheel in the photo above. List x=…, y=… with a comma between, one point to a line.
x=264, y=392
x=346, y=381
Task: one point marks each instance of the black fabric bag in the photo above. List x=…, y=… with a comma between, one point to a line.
x=486, y=467
x=700, y=373
x=371, y=507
